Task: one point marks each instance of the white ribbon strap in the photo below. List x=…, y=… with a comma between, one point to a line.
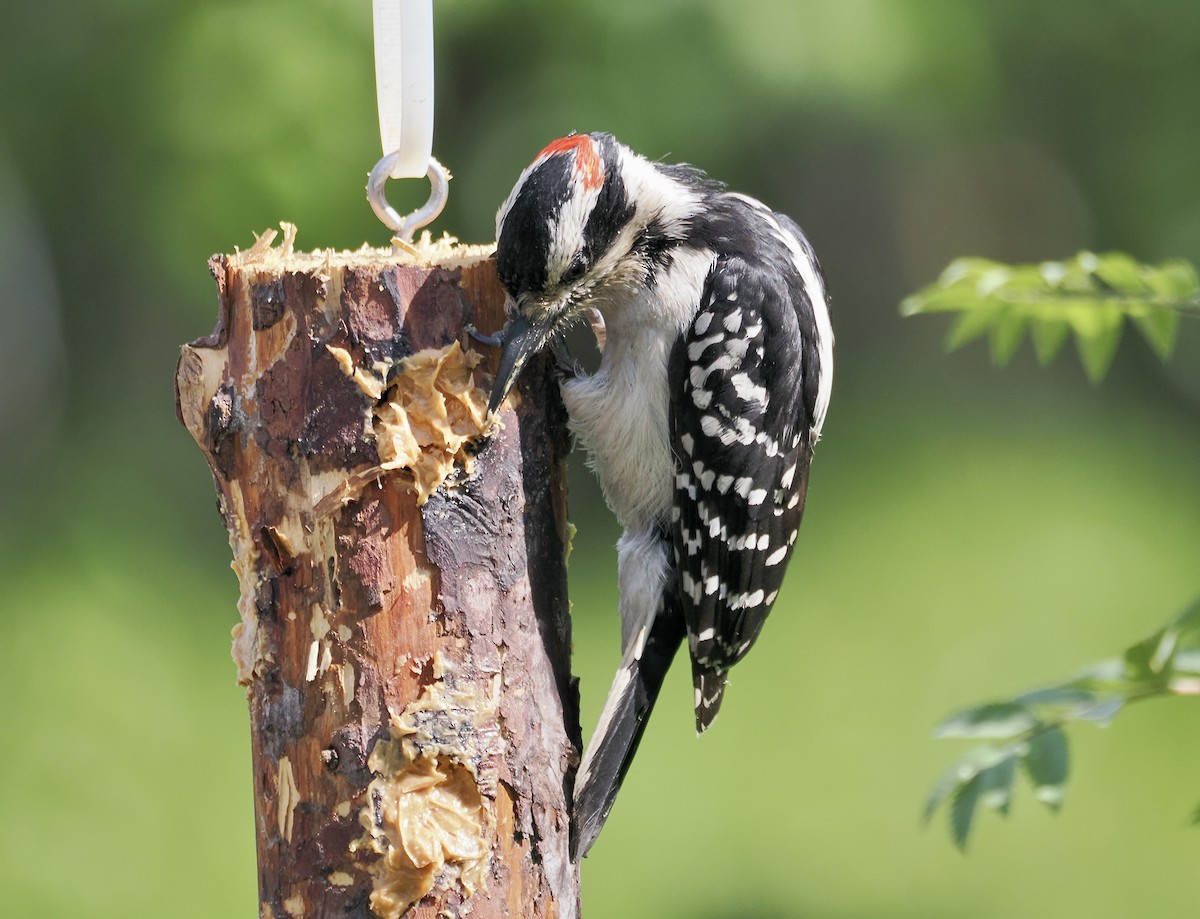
x=404, y=83
x=404, y=86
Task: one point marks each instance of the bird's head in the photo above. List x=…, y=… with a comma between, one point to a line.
x=581, y=228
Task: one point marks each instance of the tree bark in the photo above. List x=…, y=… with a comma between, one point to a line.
x=405, y=640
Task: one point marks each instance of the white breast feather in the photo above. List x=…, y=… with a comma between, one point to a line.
x=620, y=413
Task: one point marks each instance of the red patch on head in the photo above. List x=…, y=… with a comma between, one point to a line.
x=589, y=168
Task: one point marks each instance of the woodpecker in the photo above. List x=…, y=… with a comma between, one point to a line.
x=712, y=387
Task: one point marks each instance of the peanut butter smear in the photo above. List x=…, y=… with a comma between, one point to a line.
x=428, y=819
x=425, y=418
x=426, y=814
x=428, y=414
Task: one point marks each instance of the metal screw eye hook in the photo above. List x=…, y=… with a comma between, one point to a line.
x=405, y=227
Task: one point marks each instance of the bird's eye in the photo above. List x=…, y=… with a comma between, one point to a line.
x=575, y=270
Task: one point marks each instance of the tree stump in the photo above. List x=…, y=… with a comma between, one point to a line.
x=404, y=631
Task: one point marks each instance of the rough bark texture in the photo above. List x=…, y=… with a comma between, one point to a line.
x=434, y=636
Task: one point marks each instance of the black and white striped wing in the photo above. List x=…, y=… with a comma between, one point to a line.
x=741, y=434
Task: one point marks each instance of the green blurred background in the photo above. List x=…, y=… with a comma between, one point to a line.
x=970, y=531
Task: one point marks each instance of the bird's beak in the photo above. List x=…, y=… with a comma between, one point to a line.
x=522, y=340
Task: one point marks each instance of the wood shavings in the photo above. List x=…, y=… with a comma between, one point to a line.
x=425, y=251
x=289, y=797
x=248, y=649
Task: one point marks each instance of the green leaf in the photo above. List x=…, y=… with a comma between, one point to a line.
x=945, y=787
x=1107, y=675
x=1165, y=663
x=1090, y=294
x=1143, y=661
x=970, y=326
x=1065, y=696
x=962, y=811
x=1048, y=336
x=996, y=785
x=1102, y=712
x=1154, y=659
x=1060, y=703
x=977, y=760
x=1006, y=334
x=1196, y=816
x=1160, y=328
x=1187, y=661
x=1189, y=621
x=1122, y=273
x=1047, y=763
x=993, y=720
x=1175, y=281
x=1097, y=334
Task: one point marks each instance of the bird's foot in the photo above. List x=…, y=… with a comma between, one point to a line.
x=566, y=367
x=494, y=340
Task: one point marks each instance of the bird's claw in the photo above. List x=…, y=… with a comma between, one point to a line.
x=494, y=340
x=564, y=363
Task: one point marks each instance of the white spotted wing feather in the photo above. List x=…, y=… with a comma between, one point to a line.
x=741, y=432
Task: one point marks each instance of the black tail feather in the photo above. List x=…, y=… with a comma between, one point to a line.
x=621, y=726
x=710, y=690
